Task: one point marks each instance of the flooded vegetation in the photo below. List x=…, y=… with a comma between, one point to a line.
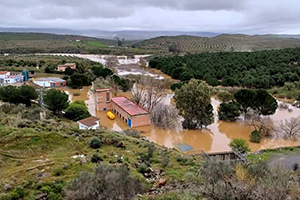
x=214, y=138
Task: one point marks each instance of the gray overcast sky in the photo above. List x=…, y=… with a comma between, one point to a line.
x=244, y=16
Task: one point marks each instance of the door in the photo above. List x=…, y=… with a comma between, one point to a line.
x=129, y=122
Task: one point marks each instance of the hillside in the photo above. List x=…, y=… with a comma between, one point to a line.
x=225, y=42
x=53, y=160
x=54, y=43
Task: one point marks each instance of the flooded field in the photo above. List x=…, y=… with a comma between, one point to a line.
x=213, y=139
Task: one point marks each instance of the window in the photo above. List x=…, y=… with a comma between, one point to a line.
x=107, y=96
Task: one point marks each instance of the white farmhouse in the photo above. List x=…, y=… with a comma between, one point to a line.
x=89, y=123
x=7, y=78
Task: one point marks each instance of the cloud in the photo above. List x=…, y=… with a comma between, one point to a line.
x=245, y=16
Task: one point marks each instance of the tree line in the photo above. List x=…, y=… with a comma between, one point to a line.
x=261, y=69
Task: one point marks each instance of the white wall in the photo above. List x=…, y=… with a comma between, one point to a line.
x=43, y=83
x=84, y=127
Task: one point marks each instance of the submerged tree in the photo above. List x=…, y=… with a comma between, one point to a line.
x=229, y=111
x=193, y=103
x=148, y=92
x=165, y=117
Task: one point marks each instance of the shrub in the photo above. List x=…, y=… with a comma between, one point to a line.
x=165, y=159
x=132, y=133
x=95, y=143
x=240, y=145
x=151, y=149
x=58, y=171
x=255, y=137
x=107, y=182
x=96, y=158
x=142, y=168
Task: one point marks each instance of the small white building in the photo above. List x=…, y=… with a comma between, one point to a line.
x=50, y=82
x=89, y=123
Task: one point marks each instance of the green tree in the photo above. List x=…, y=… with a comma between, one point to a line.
x=246, y=99
x=13, y=94
x=27, y=93
x=79, y=80
x=69, y=71
x=193, y=103
x=77, y=111
x=10, y=94
x=56, y=100
x=99, y=70
x=240, y=145
x=265, y=104
x=225, y=96
x=229, y=111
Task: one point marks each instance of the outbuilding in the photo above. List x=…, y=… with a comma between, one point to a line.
x=89, y=123
x=50, y=82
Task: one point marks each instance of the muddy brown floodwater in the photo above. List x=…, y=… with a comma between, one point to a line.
x=213, y=139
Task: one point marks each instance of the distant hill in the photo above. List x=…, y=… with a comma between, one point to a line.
x=54, y=43
x=224, y=42
x=127, y=35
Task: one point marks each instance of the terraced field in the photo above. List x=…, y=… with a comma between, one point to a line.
x=52, y=43
x=223, y=42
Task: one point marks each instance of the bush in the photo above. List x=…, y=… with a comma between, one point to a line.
x=165, y=159
x=151, y=149
x=96, y=158
x=132, y=133
x=255, y=137
x=107, y=182
x=142, y=168
x=240, y=145
x=58, y=171
x=95, y=143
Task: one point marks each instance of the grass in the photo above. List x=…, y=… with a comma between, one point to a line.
x=267, y=154
x=42, y=154
x=96, y=44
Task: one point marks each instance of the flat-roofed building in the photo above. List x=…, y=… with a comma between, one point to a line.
x=130, y=112
x=50, y=82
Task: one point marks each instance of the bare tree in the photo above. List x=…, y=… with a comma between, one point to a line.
x=289, y=129
x=166, y=117
x=263, y=125
x=148, y=92
x=107, y=83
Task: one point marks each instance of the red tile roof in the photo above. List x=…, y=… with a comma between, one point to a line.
x=90, y=121
x=4, y=72
x=129, y=106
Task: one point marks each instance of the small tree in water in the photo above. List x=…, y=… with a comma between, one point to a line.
x=193, y=103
